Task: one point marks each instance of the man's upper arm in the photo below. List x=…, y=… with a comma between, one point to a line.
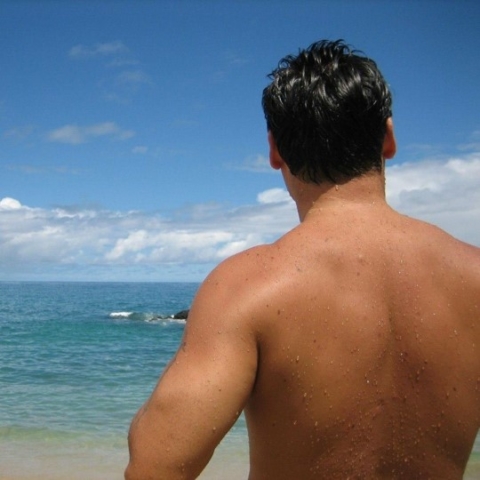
x=204, y=388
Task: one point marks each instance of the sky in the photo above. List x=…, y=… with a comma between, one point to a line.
x=133, y=143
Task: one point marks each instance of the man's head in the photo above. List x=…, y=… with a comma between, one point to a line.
x=327, y=110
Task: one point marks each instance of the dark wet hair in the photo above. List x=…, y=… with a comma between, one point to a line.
x=327, y=109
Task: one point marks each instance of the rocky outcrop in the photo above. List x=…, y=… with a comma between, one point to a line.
x=182, y=315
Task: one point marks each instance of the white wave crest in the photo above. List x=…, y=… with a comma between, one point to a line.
x=120, y=314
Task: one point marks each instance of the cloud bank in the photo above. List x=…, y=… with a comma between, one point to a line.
x=86, y=244
x=445, y=193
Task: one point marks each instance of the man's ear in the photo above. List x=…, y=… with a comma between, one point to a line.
x=389, y=143
x=276, y=161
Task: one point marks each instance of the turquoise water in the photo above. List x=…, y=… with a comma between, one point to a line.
x=77, y=360
x=70, y=366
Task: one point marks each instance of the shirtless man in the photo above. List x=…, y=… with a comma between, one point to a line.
x=352, y=342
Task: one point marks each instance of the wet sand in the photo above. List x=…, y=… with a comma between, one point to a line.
x=46, y=461
x=41, y=462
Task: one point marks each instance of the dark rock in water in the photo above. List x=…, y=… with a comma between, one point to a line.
x=182, y=315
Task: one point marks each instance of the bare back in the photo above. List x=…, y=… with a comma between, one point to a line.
x=351, y=343
x=369, y=361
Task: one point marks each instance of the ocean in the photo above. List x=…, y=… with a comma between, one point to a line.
x=77, y=360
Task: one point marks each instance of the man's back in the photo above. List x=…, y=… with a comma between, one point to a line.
x=368, y=357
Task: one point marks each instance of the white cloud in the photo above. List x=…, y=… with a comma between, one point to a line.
x=445, y=193
x=42, y=170
x=273, y=195
x=68, y=134
x=99, y=49
x=255, y=163
x=140, y=150
x=474, y=143
x=33, y=239
x=435, y=186
x=115, y=55
x=74, y=134
x=8, y=203
x=133, y=77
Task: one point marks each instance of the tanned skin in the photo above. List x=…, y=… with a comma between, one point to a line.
x=352, y=343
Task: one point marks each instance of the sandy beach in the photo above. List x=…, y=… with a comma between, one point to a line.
x=74, y=461
x=43, y=464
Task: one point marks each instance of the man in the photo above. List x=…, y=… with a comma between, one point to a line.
x=352, y=342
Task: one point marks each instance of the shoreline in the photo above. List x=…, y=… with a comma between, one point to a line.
x=109, y=464
x=47, y=460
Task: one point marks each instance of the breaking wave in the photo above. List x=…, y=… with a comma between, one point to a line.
x=147, y=317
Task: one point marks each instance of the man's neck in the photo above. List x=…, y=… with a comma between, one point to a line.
x=365, y=190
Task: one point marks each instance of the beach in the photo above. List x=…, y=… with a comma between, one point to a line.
x=75, y=460
x=77, y=361
x=43, y=464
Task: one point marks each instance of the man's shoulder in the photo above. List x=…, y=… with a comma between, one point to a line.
x=442, y=252
x=450, y=246
x=239, y=287
x=246, y=269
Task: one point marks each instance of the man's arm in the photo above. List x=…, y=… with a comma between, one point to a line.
x=203, y=390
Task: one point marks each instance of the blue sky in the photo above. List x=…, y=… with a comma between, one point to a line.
x=133, y=144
